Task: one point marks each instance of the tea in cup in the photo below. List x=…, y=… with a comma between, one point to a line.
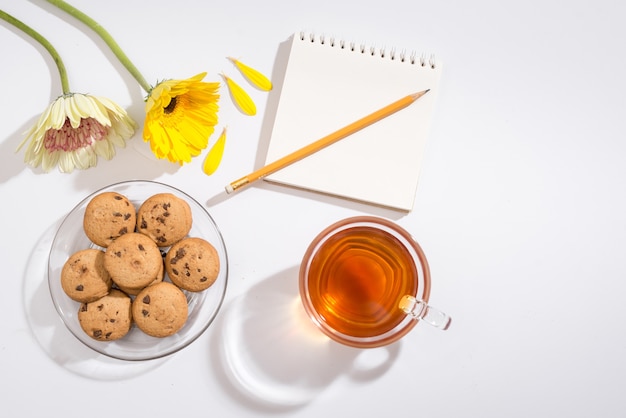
x=365, y=282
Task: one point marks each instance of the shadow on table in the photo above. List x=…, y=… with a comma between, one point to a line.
x=52, y=334
x=270, y=355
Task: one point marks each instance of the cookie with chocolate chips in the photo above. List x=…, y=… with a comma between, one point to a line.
x=133, y=261
x=165, y=218
x=108, y=216
x=160, y=310
x=108, y=318
x=84, y=277
x=133, y=291
x=192, y=264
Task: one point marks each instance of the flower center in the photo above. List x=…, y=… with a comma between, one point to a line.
x=71, y=139
x=170, y=107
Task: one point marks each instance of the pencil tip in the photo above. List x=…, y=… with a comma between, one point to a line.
x=416, y=96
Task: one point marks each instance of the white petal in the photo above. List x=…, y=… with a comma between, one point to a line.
x=37, y=131
x=115, y=139
x=49, y=160
x=57, y=117
x=108, y=103
x=65, y=162
x=85, y=158
x=124, y=128
x=45, y=119
x=73, y=110
x=104, y=149
x=31, y=136
x=97, y=110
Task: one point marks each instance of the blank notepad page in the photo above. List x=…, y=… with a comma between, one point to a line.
x=329, y=84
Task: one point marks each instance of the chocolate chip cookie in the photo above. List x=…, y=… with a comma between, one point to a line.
x=160, y=310
x=108, y=215
x=108, y=318
x=84, y=277
x=192, y=264
x=165, y=218
x=133, y=260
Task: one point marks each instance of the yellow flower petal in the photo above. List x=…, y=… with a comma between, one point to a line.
x=255, y=77
x=239, y=96
x=214, y=157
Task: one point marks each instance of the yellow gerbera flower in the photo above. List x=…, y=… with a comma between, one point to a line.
x=74, y=130
x=180, y=117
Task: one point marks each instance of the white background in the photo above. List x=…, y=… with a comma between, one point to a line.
x=521, y=211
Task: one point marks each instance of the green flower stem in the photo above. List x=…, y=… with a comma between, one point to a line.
x=107, y=38
x=44, y=42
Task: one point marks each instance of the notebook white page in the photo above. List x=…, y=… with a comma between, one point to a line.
x=329, y=84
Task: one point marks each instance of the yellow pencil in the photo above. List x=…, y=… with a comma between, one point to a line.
x=325, y=141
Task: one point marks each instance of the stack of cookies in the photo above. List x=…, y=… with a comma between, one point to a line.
x=145, y=262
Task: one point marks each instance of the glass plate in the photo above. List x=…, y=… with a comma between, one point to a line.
x=136, y=345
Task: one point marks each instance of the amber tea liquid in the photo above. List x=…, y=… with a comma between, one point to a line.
x=356, y=279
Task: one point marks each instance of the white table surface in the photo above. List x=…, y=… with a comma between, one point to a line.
x=521, y=211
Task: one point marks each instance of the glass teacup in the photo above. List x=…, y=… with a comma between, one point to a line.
x=365, y=282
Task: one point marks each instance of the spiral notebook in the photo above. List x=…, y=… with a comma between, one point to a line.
x=329, y=83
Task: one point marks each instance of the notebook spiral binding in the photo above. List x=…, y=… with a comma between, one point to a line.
x=362, y=48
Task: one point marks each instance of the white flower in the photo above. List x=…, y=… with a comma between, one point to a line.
x=74, y=130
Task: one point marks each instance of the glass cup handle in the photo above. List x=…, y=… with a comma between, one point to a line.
x=418, y=309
